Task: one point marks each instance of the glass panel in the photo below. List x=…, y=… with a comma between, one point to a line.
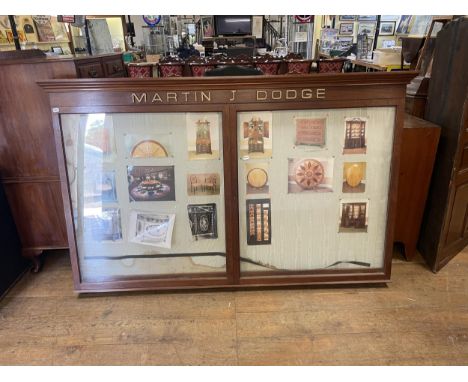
x=313, y=188
x=147, y=193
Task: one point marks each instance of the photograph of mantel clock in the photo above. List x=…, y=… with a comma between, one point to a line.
x=244, y=186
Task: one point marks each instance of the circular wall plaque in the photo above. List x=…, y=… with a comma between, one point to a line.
x=257, y=177
x=309, y=173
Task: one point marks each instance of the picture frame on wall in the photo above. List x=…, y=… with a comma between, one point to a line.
x=346, y=29
x=367, y=28
x=347, y=17
x=387, y=28
x=367, y=18
x=403, y=25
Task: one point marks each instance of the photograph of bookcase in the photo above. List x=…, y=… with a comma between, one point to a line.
x=157, y=231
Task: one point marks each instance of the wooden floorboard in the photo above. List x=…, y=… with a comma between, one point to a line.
x=420, y=318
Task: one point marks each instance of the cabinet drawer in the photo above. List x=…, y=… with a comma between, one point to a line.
x=90, y=70
x=114, y=68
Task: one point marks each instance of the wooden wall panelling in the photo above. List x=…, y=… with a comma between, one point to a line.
x=446, y=106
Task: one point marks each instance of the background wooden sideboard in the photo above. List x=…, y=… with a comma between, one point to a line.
x=28, y=161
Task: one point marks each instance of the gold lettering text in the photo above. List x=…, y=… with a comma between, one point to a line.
x=276, y=94
x=261, y=95
x=233, y=95
x=135, y=98
x=306, y=93
x=320, y=93
x=171, y=96
x=186, y=95
x=206, y=96
x=291, y=94
x=156, y=98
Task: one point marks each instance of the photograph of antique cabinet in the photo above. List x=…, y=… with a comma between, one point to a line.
x=235, y=237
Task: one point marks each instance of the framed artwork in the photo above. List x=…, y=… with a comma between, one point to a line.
x=367, y=18
x=355, y=136
x=367, y=28
x=44, y=28
x=203, y=184
x=344, y=42
x=149, y=228
x=203, y=221
x=202, y=135
x=387, y=28
x=207, y=26
x=403, y=25
x=151, y=183
x=102, y=224
x=310, y=131
x=258, y=221
x=353, y=215
x=256, y=179
x=347, y=18
x=420, y=25
x=346, y=28
x=256, y=135
x=310, y=175
x=354, y=177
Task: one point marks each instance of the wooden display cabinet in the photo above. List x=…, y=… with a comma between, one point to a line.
x=276, y=216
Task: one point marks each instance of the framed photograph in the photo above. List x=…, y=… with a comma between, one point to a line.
x=203, y=221
x=344, y=43
x=149, y=228
x=203, y=135
x=367, y=28
x=310, y=175
x=355, y=136
x=102, y=224
x=403, y=25
x=387, y=28
x=56, y=49
x=310, y=131
x=367, y=18
x=420, y=25
x=258, y=221
x=255, y=131
x=346, y=29
x=256, y=179
x=354, y=177
x=353, y=215
x=347, y=18
x=207, y=26
x=203, y=184
x=151, y=183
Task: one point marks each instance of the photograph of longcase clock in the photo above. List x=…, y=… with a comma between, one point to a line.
x=203, y=141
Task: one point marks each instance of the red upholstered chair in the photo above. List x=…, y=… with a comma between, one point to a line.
x=140, y=70
x=199, y=65
x=171, y=67
x=331, y=66
x=268, y=64
x=298, y=66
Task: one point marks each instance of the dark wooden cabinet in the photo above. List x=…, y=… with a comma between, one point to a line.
x=28, y=161
x=102, y=66
x=418, y=151
x=12, y=264
x=444, y=231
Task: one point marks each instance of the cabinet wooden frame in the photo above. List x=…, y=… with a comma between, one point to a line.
x=230, y=95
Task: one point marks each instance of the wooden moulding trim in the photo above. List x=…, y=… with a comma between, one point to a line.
x=30, y=179
x=350, y=280
x=126, y=84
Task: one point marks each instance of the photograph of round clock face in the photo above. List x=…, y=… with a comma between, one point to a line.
x=148, y=149
x=310, y=175
x=354, y=177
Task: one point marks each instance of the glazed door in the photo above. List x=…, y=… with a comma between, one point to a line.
x=313, y=189
x=147, y=194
